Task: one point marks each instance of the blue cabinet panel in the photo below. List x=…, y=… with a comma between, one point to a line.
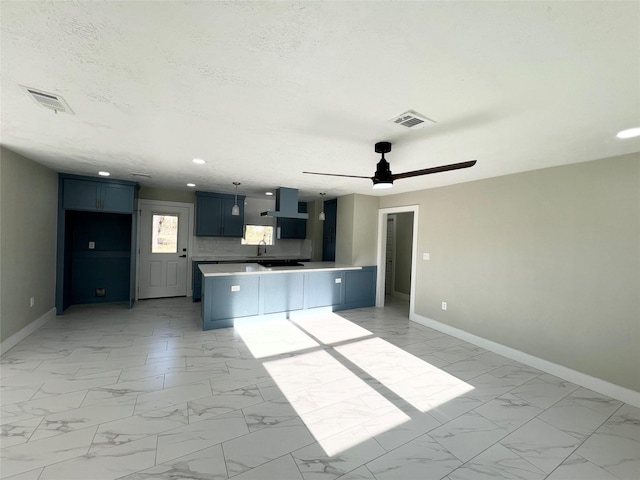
x=282, y=292
x=81, y=194
x=208, y=216
x=100, y=279
x=323, y=289
x=197, y=279
x=329, y=231
x=213, y=215
x=232, y=297
x=95, y=195
x=117, y=198
x=360, y=288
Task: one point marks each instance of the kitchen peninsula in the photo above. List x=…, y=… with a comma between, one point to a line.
x=241, y=290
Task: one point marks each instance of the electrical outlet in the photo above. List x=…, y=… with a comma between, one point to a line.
x=92, y=245
x=32, y=301
x=425, y=255
x=444, y=305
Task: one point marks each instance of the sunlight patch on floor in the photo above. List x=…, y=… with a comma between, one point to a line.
x=273, y=337
x=328, y=409
x=408, y=376
x=332, y=400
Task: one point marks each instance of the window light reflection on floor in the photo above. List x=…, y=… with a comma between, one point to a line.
x=331, y=399
x=339, y=408
x=274, y=337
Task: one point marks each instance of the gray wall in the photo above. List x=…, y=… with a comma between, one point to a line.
x=546, y=262
x=357, y=230
x=403, y=260
x=314, y=229
x=28, y=222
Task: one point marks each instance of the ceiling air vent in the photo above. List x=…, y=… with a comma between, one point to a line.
x=48, y=100
x=412, y=119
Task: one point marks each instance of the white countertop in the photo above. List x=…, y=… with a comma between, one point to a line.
x=241, y=258
x=228, y=269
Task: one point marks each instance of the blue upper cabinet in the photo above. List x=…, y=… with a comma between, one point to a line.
x=97, y=195
x=294, y=227
x=213, y=215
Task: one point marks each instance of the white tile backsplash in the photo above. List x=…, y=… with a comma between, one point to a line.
x=204, y=246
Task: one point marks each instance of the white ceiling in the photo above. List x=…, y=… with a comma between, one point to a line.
x=265, y=90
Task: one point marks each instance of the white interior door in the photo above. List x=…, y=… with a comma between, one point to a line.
x=163, y=256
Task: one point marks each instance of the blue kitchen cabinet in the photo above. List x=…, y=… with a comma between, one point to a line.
x=228, y=298
x=294, y=227
x=329, y=230
x=359, y=288
x=213, y=215
x=197, y=279
x=324, y=289
x=96, y=235
x=114, y=196
x=255, y=295
x=282, y=292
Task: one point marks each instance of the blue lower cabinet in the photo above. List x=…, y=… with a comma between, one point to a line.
x=359, y=288
x=282, y=293
x=100, y=279
x=228, y=298
x=197, y=279
x=324, y=289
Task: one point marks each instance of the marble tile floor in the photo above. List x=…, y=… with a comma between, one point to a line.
x=104, y=392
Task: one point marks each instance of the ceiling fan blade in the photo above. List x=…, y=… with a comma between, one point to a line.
x=337, y=175
x=441, y=168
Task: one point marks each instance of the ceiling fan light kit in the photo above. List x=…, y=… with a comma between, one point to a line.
x=383, y=177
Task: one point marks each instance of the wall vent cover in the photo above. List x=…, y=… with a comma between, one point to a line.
x=412, y=119
x=48, y=100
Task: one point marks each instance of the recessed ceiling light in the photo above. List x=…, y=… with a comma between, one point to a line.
x=629, y=133
x=199, y=161
x=268, y=193
x=191, y=184
x=104, y=174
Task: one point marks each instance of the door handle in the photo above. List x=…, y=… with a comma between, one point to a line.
x=183, y=256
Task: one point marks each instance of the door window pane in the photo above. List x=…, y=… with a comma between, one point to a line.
x=164, y=234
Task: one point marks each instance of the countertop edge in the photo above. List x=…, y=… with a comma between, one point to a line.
x=260, y=270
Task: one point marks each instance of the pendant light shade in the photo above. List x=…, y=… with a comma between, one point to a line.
x=235, y=210
x=322, y=216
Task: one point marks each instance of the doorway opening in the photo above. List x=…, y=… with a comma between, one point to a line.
x=397, y=254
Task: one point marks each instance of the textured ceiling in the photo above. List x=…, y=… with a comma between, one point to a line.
x=265, y=90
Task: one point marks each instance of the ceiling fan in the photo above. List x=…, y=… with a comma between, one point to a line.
x=383, y=177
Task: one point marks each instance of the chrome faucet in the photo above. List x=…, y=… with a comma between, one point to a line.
x=262, y=247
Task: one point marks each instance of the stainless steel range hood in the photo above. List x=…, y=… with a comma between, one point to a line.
x=286, y=205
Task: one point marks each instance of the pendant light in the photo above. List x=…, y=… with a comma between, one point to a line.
x=235, y=210
x=321, y=217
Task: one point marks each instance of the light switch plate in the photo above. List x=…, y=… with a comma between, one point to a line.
x=425, y=256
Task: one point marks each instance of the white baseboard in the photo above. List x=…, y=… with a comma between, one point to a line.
x=596, y=384
x=20, y=335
